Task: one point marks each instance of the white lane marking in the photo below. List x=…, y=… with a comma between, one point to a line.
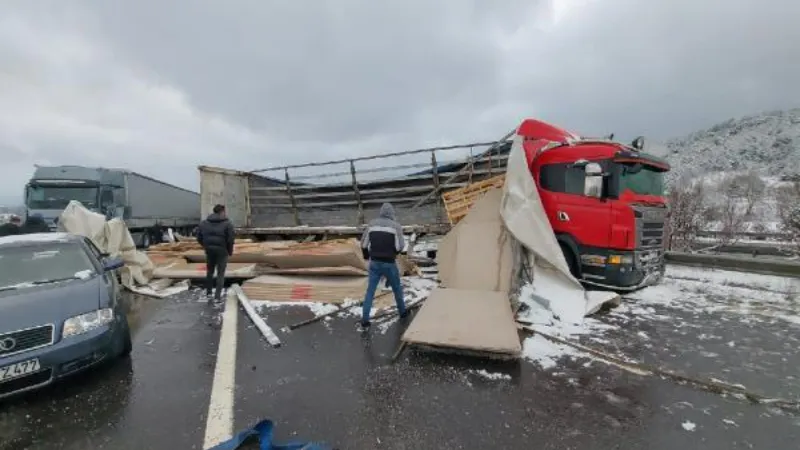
x=219, y=422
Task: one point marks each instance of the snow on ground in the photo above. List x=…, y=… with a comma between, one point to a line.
x=717, y=291
x=490, y=375
x=685, y=294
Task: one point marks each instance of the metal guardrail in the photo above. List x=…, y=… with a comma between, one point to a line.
x=768, y=266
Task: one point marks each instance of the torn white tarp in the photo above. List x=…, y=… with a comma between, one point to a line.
x=525, y=217
x=111, y=237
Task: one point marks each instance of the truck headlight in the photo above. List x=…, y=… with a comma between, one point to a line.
x=86, y=322
x=620, y=259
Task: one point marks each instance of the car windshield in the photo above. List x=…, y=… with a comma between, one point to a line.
x=58, y=197
x=43, y=263
x=641, y=179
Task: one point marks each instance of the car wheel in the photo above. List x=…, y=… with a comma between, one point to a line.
x=127, y=343
x=571, y=260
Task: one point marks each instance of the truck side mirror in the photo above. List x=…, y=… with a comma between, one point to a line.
x=593, y=182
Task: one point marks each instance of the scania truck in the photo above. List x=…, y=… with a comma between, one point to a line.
x=605, y=201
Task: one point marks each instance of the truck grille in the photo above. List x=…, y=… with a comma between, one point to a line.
x=650, y=227
x=24, y=340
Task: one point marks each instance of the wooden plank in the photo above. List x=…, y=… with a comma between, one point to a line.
x=458, y=202
x=258, y=321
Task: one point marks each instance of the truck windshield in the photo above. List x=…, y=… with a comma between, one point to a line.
x=32, y=265
x=641, y=179
x=58, y=197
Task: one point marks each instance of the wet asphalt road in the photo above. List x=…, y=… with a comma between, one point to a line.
x=332, y=383
x=157, y=398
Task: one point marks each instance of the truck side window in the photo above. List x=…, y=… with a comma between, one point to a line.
x=106, y=198
x=119, y=196
x=562, y=177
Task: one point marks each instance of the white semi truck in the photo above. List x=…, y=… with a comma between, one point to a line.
x=147, y=206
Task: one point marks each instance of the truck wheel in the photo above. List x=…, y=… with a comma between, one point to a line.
x=572, y=260
x=145, y=240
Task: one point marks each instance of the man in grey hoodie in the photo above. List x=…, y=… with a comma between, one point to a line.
x=381, y=243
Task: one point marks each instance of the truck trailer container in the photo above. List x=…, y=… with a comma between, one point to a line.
x=148, y=206
x=604, y=199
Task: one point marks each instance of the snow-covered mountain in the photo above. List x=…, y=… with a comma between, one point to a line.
x=768, y=143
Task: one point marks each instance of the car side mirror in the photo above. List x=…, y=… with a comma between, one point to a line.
x=110, y=264
x=593, y=185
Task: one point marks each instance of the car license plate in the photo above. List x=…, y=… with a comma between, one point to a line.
x=19, y=369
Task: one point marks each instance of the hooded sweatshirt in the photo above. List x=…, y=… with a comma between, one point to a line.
x=383, y=238
x=216, y=232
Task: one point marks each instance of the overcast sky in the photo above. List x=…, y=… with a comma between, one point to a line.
x=161, y=87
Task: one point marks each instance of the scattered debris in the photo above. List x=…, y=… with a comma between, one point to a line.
x=255, y=317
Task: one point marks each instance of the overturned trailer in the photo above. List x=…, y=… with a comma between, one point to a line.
x=338, y=197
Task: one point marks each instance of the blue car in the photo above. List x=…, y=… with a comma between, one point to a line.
x=60, y=310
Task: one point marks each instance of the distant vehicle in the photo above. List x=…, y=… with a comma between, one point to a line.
x=60, y=310
x=147, y=206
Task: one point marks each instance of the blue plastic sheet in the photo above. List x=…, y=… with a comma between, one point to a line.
x=264, y=431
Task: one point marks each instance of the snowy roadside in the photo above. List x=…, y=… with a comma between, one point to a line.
x=731, y=326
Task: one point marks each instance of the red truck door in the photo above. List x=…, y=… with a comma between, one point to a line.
x=585, y=219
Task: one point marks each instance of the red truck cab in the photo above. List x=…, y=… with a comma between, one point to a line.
x=605, y=201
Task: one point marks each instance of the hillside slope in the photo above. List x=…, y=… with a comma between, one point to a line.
x=768, y=143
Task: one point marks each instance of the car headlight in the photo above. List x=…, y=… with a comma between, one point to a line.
x=86, y=322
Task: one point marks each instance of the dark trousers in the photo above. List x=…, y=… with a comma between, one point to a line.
x=216, y=259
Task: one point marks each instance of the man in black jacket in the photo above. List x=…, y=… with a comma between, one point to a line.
x=216, y=235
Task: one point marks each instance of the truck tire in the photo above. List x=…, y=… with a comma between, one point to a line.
x=145, y=240
x=572, y=260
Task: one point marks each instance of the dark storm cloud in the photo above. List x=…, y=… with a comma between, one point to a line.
x=665, y=68
x=332, y=71
x=162, y=86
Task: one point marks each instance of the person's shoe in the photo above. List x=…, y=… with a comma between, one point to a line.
x=365, y=324
x=404, y=314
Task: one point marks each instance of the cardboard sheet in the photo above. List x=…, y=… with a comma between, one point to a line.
x=198, y=271
x=479, y=321
x=330, y=289
x=341, y=271
x=476, y=253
